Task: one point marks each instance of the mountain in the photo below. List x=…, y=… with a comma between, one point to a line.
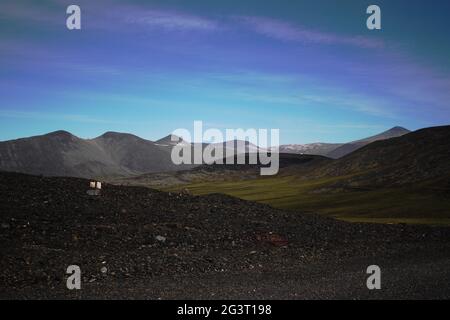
x=404, y=179
x=239, y=146
x=110, y=155
x=338, y=150
x=347, y=148
x=416, y=157
x=170, y=140
x=62, y=154
x=116, y=154
x=320, y=149
x=135, y=155
x=412, y=158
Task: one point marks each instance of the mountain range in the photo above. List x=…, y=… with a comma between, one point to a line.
x=404, y=179
x=114, y=154
x=62, y=154
x=416, y=157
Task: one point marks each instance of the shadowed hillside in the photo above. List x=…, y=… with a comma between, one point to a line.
x=350, y=147
x=412, y=158
x=404, y=179
x=222, y=172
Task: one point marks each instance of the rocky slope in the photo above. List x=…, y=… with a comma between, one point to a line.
x=139, y=243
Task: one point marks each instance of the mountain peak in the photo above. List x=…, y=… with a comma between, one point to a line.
x=388, y=134
x=355, y=145
x=398, y=129
x=60, y=134
x=169, y=140
x=115, y=135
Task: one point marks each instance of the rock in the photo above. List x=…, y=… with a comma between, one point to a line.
x=186, y=191
x=161, y=238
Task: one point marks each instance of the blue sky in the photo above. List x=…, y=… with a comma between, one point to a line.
x=309, y=68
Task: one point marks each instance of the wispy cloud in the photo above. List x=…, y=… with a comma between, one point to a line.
x=289, y=32
x=171, y=21
x=302, y=91
x=354, y=102
x=115, y=18
x=178, y=21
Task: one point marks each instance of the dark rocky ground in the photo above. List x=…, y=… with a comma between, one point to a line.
x=156, y=245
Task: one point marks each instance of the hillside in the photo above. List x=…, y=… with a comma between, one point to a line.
x=220, y=173
x=140, y=243
x=320, y=149
x=416, y=157
x=350, y=147
x=404, y=179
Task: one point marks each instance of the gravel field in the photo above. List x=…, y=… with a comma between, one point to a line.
x=138, y=243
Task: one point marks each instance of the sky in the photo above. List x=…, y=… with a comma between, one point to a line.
x=309, y=68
